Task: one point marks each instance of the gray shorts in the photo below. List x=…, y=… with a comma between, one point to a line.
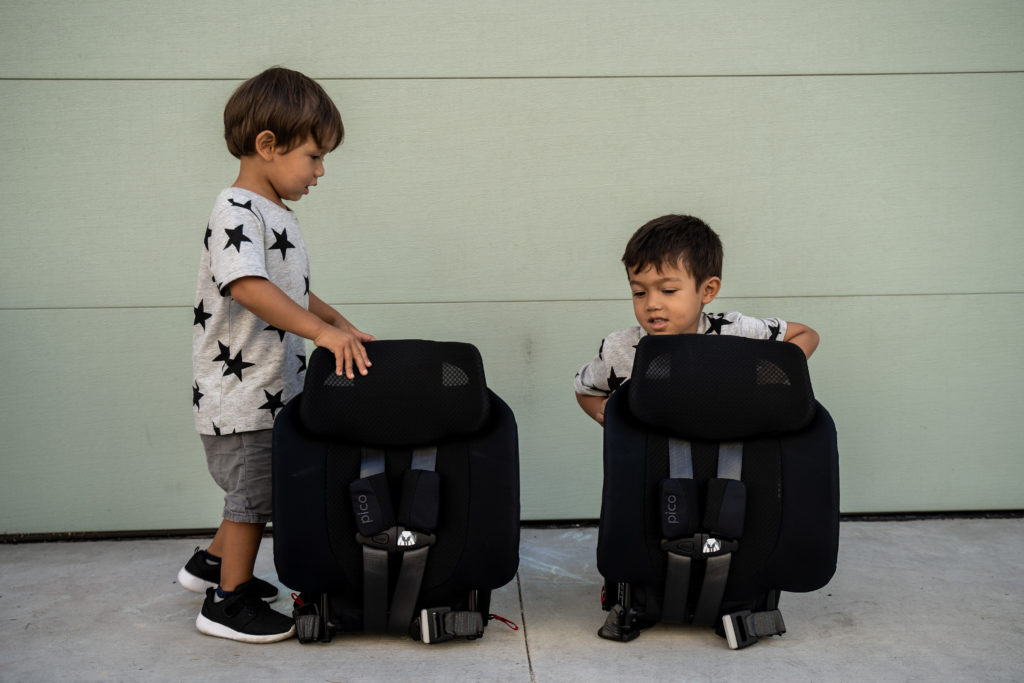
x=240, y=464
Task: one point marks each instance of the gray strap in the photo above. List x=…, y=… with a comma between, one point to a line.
x=716, y=571
x=464, y=623
x=414, y=562
x=371, y=463
x=677, y=569
x=730, y=460
x=424, y=458
x=766, y=623
x=375, y=589
x=680, y=459
x=403, y=603
x=677, y=588
x=375, y=561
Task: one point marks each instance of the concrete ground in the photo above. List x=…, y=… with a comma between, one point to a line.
x=927, y=600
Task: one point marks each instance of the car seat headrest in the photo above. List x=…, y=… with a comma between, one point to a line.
x=417, y=392
x=720, y=387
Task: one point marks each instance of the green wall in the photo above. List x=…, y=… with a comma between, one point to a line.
x=863, y=164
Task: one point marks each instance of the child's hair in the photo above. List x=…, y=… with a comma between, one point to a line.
x=289, y=104
x=671, y=239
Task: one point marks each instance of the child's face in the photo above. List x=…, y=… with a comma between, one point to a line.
x=292, y=173
x=670, y=302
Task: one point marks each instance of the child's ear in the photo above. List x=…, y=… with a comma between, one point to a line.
x=266, y=141
x=709, y=290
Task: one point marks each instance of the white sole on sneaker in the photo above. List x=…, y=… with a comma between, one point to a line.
x=192, y=582
x=212, y=628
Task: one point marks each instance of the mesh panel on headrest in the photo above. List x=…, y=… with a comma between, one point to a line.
x=711, y=387
x=416, y=392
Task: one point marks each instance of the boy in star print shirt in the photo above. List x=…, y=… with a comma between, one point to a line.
x=253, y=311
x=674, y=266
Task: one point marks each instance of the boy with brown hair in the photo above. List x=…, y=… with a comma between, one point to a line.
x=253, y=311
x=674, y=266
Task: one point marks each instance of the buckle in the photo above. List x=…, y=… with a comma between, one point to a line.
x=398, y=539
x=432, y=625
x=620, y=625
x=311, y=620
x=743, y=629
x=699, y=545
x=439, y=624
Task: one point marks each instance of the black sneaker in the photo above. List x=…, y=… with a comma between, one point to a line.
x=242, y=616
x=198, y=575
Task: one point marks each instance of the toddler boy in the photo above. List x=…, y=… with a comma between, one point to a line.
x=253, y=310
x=674, y=266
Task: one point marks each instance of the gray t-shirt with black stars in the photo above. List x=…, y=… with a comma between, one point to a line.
x=614, y=361
x=244, y=370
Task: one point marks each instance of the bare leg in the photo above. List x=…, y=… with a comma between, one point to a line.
x=238, y=543
x=216, y=547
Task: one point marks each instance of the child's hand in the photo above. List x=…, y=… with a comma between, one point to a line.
x=346, y=326
x=347, y=347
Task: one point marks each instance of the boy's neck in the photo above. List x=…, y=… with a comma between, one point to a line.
x=251, y=178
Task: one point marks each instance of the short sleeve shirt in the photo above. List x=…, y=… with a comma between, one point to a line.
x=614, y=361
x=244, y=370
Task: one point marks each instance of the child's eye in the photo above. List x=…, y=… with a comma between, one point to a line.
x=637, y=295
x=669, y=291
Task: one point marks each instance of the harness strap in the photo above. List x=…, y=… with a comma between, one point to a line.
x=382, y=536
x=375, y=560
x=723, y=518
x=677, y=569
x=680, y=459
x=716, y=573
x=414, y=562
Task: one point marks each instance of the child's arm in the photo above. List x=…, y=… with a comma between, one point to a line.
x=265, y=300
x=803, y=336
x=331, y=316
x=593, y=406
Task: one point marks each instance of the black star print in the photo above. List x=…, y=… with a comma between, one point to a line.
x=716, y=322
x=200, y=316
x=206, y=238
x=774, y=329
x=302, y=364
x=236, y=237
x=236, y=365
x=225, y=354
x=271, y=328
x=282, y=242
x=247, y=205
x=306, y=278
x=273, y=403
x=216, y=429
x=600, y=350
x=196, y=395
x=614, y=381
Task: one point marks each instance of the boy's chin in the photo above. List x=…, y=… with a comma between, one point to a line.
x=664, y=331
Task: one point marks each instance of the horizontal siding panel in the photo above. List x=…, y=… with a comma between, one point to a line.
x=489, y=190
x=926, y=392
x=97, y=434
x=151, y=39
